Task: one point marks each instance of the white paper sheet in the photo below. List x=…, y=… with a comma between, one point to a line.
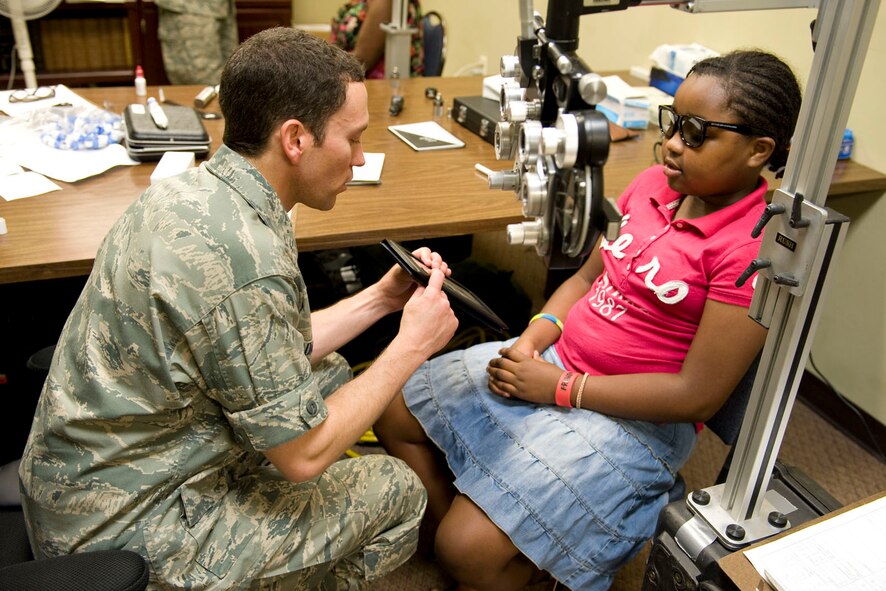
x=838, y=554
x=63, y=94
x=426, y=135
x=22, y=145
x=370, y=172
x=7, y=168
x=25, y=184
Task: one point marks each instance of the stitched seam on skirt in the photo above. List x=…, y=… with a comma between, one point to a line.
x=665, y=464
x=635, y=485
x=467, y=451
x=587, y=508
x=615, y=468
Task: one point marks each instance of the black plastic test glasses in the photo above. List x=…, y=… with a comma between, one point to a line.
x=693, y=129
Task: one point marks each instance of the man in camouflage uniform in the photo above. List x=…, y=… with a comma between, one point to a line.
x=196, y=38
x=195, y=412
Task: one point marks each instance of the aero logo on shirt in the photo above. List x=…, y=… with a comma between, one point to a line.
x=671, y=292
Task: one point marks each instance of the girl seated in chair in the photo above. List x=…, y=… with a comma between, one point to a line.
x=559, y=448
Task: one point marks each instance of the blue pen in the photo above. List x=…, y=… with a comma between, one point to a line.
x=157, y=113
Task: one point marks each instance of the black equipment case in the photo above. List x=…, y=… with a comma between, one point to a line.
x=670, y=568
x=146, y=142
x=478, y=114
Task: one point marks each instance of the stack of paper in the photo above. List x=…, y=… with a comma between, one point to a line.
x=842, y=553
x=370, y=172
x=21, y=144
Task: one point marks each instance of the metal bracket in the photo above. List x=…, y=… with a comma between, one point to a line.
x=734, y=534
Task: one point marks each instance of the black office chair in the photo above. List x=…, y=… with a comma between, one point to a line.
x=433, y=43
x=106, y=570
x=726, y=422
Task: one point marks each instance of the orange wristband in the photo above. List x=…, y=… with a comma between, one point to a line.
x=563, y=396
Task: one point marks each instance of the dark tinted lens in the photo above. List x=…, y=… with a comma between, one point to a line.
x=693, y=131
x=667, y=122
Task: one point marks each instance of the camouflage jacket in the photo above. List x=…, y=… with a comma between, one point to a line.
x=186, y=353
x=216, y=8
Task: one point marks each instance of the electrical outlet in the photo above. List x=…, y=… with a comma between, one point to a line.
x=477, y=68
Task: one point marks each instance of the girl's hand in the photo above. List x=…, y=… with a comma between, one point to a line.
x=516, y=374
x=526, y=346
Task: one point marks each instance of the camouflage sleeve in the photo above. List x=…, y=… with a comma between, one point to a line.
x=216, y=8
x=255, y=363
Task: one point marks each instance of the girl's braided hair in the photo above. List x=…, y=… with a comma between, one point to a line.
x=762, y=90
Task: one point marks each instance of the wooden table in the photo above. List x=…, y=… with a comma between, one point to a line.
x=422, y=195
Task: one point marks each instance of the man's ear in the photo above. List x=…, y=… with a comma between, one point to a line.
x=294, y=139
x=761, y=150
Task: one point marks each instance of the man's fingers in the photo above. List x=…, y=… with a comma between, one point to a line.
x=435, y=282
x=432, y=260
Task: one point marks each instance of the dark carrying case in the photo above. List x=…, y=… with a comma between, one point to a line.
x=670, y=568
x=478, y=114
x=184, y=133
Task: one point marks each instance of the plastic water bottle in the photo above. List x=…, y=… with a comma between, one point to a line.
x=846, y=147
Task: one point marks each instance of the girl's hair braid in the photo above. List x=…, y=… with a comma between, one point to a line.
x=762, y=90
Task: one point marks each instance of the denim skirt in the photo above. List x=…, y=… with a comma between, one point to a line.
x=577, y=492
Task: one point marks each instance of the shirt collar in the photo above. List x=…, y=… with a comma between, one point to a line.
x=713, y=222
x=234, y=170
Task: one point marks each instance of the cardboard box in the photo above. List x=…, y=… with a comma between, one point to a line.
x=624, y=105
x=664, y=80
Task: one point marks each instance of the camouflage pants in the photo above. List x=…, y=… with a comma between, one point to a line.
x=195, y=47
x=355, y=523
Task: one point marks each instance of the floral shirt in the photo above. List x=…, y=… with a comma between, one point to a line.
x=346, y=26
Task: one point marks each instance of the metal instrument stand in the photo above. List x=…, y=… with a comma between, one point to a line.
x=801, y=241
x=398, y=41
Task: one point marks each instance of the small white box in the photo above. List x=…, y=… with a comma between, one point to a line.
x=624, y=105
x=171, y=164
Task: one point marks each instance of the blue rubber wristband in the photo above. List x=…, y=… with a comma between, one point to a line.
x=550, y=317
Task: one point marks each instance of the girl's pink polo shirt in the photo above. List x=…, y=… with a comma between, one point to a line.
x=642, y=313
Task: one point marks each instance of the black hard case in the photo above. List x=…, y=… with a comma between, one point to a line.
x=669, y=568
x=478, y=114
x=184, y=133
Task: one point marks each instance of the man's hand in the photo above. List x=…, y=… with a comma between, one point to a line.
x=428, y=322
x=396, y=285
x=516, y=374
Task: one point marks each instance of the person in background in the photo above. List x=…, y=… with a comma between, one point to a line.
x=561, y=448
x=196, y=38
x=357, y=28
x=195, y=411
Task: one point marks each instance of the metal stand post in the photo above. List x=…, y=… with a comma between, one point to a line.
x=398, y=41
x=801, y=241
x=550, y=84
